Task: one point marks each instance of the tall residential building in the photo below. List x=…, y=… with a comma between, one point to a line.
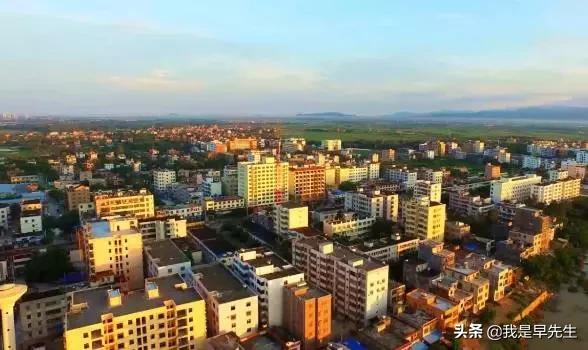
x=406, y=177
x=380, y=204
x=513, y=188
x=289, y=216
x=163, y=179
x=138, y=203
x=358, y=284
x=112, y=249
x=354, y=173
x=307, y=314
x=428, y=189
x=292, y=145
x=388, y=155
x=491, y=171
x=230, y=181
x=331, y=145
x=10, y=293
x=230, y=305
x=547, y=192
x=167, y=314
x=267, y=274
x=263, y=183
x=162, y=227
x=306, y=183
x=76, y=195
x=424, y=218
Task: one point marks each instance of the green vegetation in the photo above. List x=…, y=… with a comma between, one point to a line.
x=348, y=186
x=381, y=228
x=49, y=266
x=66, y=222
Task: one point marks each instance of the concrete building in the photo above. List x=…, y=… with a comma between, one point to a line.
x=10, y=293
x=230, y=305
x=164, y=258
x=230, y=181
x=267, y=274
x=582, y=157
x=380, y=204
x=42, y=316
x=387, y=250
x=331, y=145
x=240, y=144
x=428, y=189
x=513, y=188
x=181, y=210
x=307, y=315
x=531, y=228
x=424, y=218
x=437, y=257
x=293, y=145
x=163, y=179
x=557, y=174
x=402, y=175
x=222, y=203
x=388, y=155
x=289, y=216
x=547, y=192
x=492, y=172
x=263, y=183
x=25, y=179
x=446, y=311
x=306, y=183
x=351, y=226
x=471, y=281
x=138, y=203
x=358, y=284
x=167, y=314
x=112, y=251
x=76, y=195
x=433, y=176
x=162, y=227
x=4, y=215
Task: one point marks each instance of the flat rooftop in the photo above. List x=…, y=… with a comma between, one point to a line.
x=166, y=252
x=134, y=302
x=343, y=253
x=215, y=277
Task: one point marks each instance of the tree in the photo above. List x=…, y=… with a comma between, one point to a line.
x=49, y=266
x=348, y=186
x=382, y=228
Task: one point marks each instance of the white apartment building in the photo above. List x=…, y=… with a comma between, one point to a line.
x=158, y=228
x=4, y=214
x=513, y=188
x=211, y=188
x=406, y=177
x=292, y=145
x=331, y=145
x=351, y=227
x=289, y=216
x=428, y=189
x=164, y=258
x=556, y=191
x=380, y=204
x=223, y=203
x=267, y=274
x=373, y=170
x=434, y=176
x=358, y=284
x=163, y=179
x=230, y=305
x=263, y=183
x=181, y=210
x=531, y=162
x=582, y=157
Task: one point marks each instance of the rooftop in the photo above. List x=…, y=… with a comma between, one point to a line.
x=166, y=253
x=216, y=278
x=98, y=304
x=343, y=253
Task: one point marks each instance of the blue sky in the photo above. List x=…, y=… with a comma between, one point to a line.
x=285, y=57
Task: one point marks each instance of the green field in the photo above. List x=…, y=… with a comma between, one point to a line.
x=390, y=132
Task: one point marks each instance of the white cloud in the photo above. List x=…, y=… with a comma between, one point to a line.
x=158, y=80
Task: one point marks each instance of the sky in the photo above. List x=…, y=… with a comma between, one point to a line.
x=285, y=57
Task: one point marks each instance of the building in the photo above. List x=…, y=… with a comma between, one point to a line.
x=402, y=175
x=331, y=145
x=446, y=311
x=42, y=315
x=138, y=203
x=557, y=174
x=263, y=183
x=547, y=192
x=4, y=216
x=351, y=226
x=167, y=314
x=238, y=144
x=307, y=314
x=181, y=210
x=163, y=179
x=437, y=257
x=456, y=230
x=428, y=189
x=76, y=195
x=230, y=305
x=358, y=284
x=25, y=179
x=306, y=183
x=388, y=155
x=470, y=280
x=230, y=181
x=513, y=188
x=31, y=217
x=379, y=204
x=531, y=162
x=433, y=176
x=222, y=203
x=288, y=216
x=293, y=145
x=530, y=228
x=10, y=293
x=492, y=172
x=164, y=258
x=162, y=227
x=211, y=187
x=473, y=146
x=267, y=274
x=464, y=204
x=424, y=218
x=354, y=173
x=387, y=249
x=582, y=157
x=112, y=250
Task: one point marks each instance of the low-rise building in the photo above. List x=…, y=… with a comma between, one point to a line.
x=164, y=258
x=349, y=226
x=388, y=250
x=289, y=216
x=446, y=311
x=222, y=203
